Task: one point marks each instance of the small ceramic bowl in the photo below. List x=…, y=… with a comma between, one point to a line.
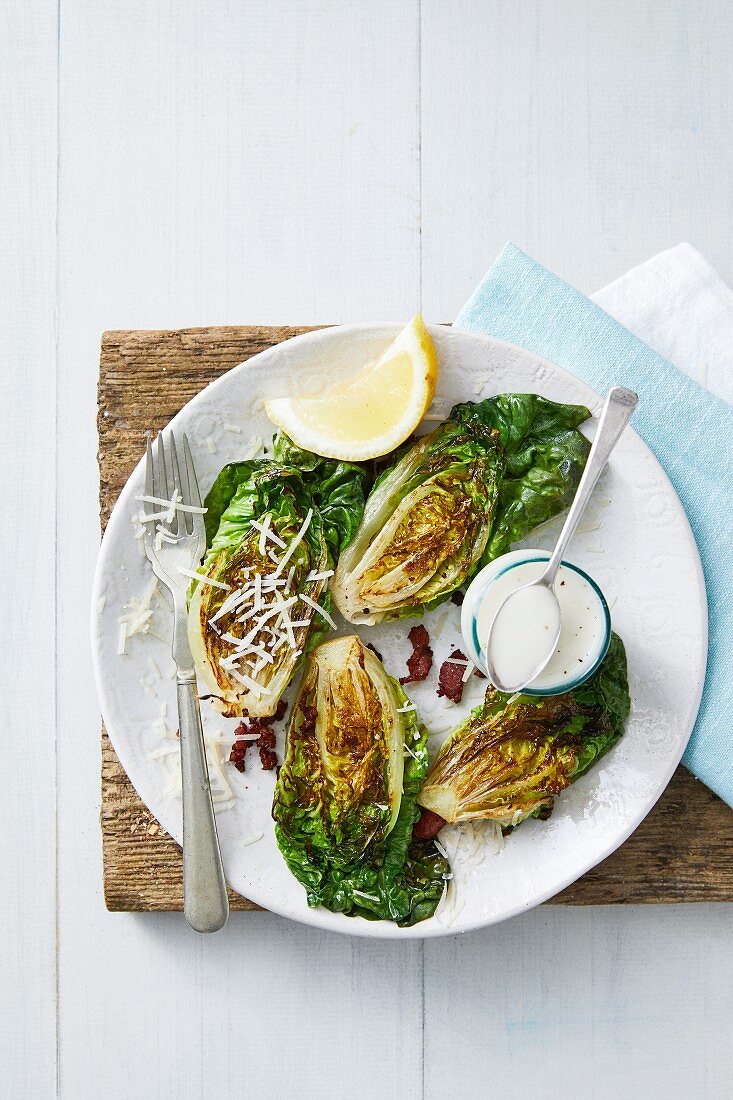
x=478, y=590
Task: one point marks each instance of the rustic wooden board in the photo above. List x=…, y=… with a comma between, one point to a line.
x=683, y=851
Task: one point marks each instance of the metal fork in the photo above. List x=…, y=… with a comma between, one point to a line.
x=205, y=901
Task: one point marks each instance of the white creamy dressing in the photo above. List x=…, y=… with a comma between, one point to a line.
x=520, y=637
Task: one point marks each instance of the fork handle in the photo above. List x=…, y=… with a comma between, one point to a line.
x=205, y=901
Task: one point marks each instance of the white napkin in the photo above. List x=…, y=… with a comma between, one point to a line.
x=677, y=304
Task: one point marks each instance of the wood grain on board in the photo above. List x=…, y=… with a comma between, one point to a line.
x=683, y=850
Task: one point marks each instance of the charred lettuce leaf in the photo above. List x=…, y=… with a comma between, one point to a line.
x=249, y=630
x=346, y=798
x=425, y=525
x=456, y=499
x=514, y=754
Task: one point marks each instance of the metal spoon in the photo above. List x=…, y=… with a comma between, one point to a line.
x=617, y=410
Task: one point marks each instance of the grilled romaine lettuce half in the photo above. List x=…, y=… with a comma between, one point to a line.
x=248, y=637
x=515, y=753
x=456, y=499
x=345, y=799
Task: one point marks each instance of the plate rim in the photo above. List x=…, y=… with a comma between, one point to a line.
x=386, y=929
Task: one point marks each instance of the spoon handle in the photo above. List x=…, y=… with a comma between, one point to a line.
x=620, y=404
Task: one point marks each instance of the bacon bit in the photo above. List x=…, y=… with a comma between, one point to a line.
x=428, y=826
x=450, y=677
x=479, y=673
x=268, y=759
x=374, y=650
x=267, y=738
x=457, y=597
x=419, y=636
x=420, y=661
x=236, y=756
x=265, y=741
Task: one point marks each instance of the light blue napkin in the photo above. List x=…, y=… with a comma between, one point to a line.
x=689, y=430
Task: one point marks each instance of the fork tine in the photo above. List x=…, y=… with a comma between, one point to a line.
x=157, y=489
x=186, y=519
x=148, y=508
x=179, y=469
x=193, y=485
x=165, y=482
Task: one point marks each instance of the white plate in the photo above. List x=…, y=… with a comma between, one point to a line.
x=635, y=540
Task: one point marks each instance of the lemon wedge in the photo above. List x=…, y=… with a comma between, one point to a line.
x=372, y=412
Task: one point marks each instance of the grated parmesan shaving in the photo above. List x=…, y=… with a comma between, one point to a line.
x=242, y=678
x=322, y=576
x=247, y=840
x=321, y=611
x=203, y=579
x=174, y=503
x=470, y=667
x=164, y=750
x=228, y=605
x=263, y=529
x=137, y=614
x=295, y=543
x=176, y=498
x=267, y=533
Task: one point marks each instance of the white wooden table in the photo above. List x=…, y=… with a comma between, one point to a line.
x=184, y=162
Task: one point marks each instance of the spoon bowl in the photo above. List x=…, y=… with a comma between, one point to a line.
x=537, y=605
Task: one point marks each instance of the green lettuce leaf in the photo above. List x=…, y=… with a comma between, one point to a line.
x=346, y=798
x=545, y=457
x=220, y=494
x=337, y=489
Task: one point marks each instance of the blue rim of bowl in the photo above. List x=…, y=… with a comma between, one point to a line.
x=587, y=673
